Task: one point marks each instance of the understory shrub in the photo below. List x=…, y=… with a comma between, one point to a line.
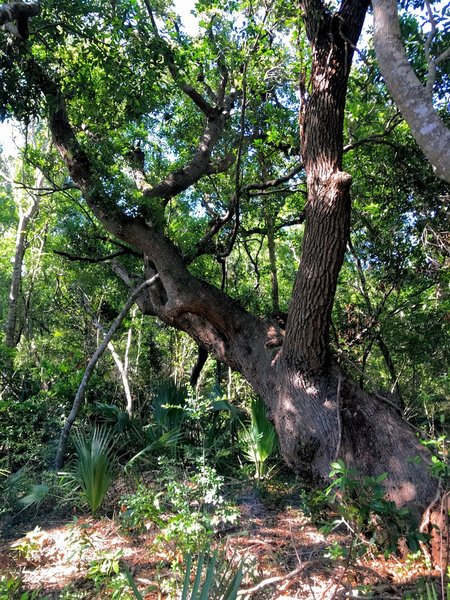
x=28, y=429
x=361, y=506
x=188, y=511
x=259, y=439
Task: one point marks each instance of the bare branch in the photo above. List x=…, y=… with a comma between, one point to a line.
x=443, y=56
x=188, y=89
x=119, y=364
x=263, y=230
x=222, y=165
x=96, y=259
x=264, y=185
x=427, y=49
x=196, y=97
x=198, y=166
x=215, y=226
x=218, y=222
x=378, y=138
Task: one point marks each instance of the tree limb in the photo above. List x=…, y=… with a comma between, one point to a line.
x=188, y=89
x=218, y=222
x=14, y=17
x=413, y=100
x=378, y=138
x=198, y=166
x=264, y=185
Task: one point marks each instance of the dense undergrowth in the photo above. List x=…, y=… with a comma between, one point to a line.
x=177, y=467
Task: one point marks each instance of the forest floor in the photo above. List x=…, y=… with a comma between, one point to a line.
x=286, y=555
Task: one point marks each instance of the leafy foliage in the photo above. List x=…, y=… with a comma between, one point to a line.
x=188, y=511
x=361, y=505
x=123, y=79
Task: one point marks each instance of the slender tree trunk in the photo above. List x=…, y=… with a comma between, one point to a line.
x=27, y=322
x=395, y=387
x=25, y=219
x=120, y=367
x=19, y=254
x=374, y=314
x=270, y=223
x=59, y=460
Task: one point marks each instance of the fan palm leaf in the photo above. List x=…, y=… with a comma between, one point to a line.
x=259, y=439
x=94, y=466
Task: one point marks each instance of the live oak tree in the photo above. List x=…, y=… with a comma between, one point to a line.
x=170, y=139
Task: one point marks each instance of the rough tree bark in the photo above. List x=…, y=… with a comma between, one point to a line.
x=319, y=413
x=412, y=98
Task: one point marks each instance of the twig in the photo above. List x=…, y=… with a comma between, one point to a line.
x=345, y=569
x=377, y=597
x=90, y=259
x=274, y=580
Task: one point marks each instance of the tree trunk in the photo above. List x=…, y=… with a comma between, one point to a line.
x=327, y=417
x=59, y=460
x=333, y=38
x=270, y=224
x=26, y=217
x=123, y=370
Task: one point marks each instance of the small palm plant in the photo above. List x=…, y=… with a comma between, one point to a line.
x=213, y=579
x=259, y=439
x=220, y=581
x=95, y=466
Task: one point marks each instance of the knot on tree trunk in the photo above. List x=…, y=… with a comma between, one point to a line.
x=335, y=187
x=341, y=180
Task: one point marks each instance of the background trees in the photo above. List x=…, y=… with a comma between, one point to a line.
x=187, y=153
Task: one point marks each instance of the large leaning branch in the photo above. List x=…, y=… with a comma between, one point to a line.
x=410, y=96
x=91, y=366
